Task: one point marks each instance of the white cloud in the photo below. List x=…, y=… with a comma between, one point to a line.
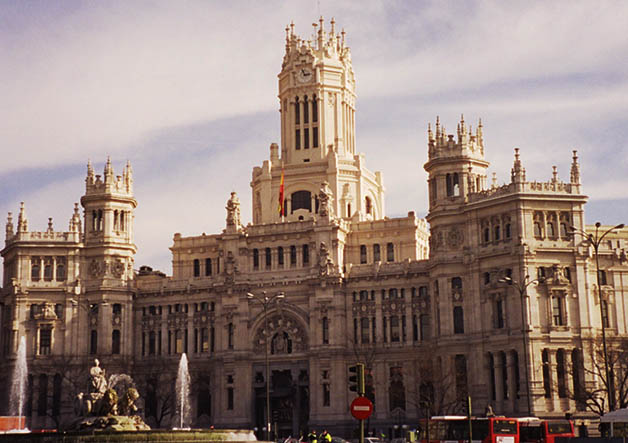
x=141, y=80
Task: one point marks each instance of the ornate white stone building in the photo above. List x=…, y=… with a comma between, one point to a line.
x=357, y=285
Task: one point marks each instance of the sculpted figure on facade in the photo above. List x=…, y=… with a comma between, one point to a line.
x=233, y=211
x=325, y=198
x=325, y=263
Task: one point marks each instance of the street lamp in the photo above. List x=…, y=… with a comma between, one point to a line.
x=522, y=287
x=594, y=241
x=265, y=301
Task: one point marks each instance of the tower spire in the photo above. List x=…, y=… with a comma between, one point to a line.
x=517, y=173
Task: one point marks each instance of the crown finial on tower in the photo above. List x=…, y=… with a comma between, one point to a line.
x=575, y=169
x=9, y=226
x=333, y=27
x=554, y=174
x=75, y=220
x=50, y=229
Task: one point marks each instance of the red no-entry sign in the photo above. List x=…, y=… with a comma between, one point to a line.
x=361, y=408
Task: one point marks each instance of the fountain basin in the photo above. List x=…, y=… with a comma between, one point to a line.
x=154, y=435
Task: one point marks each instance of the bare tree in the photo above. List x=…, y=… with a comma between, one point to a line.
x=156, y=386
x=591, y=385
x=433, y=387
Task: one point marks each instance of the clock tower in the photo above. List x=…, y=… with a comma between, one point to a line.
x=317, y=106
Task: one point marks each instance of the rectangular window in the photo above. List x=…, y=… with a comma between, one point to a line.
x=93, y=342
x=204, y=340
x=208, y=266
x=390, y=252
x=115, y=342
x=178, y=341
x=557, y=311
x=306, y=255
x=458, y=320
x=499, y=314
x=297, y=111
x=385, y=329
x=197, y=267
x=230, y=398
x=297, y=139
x=314, y=110
x=325, y=330
x=45, y=341
x=269, y=259
x=293, y=255
x=394, y=329
x=315, y=137
x=364, y=329
x=230, y=336
x=255, y=258
x=306, y=138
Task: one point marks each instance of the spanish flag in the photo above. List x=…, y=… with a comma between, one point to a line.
x=281, y=208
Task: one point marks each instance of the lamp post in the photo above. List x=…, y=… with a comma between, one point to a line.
x=594, y=241
x=265, y=301
x=522, y=288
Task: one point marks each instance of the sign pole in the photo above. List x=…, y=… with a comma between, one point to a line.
x=361, y=431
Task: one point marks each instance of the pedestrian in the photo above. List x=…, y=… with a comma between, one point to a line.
x=312, y=437
x=325, y=437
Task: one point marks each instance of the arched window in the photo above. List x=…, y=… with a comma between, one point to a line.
x=456, y=185
x=61, y=274
x=550, y=230
x=269, y=258
x=35, y=268
x=561, y=373
x=538, y=232
x=306, y=254
x=306, y=113
x=197, y=267
x=450, y=185
x=362, y=254
x=458, y=320
x=122, y=216
x=390, y=252
x=93, y=342
x=301, y=200
x=115, y=341
x=424, y=320
x=42, y=404
x=377, y=256
x=48, y=268
x=368, y=205
x=297, y=111
x=558, y=311
x=116, y=226
x=487, y=235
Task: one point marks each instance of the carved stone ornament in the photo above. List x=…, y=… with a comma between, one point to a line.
x=325, y=198
x=117, y=268
x=325, y=263
x=454, y=238
x=96, y=268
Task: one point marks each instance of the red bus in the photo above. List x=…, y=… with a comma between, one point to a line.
x=455, y=429
x=535, y=430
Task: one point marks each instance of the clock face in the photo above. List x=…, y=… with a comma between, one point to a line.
x=304, y=75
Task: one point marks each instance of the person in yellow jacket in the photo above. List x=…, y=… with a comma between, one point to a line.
x=325, y=437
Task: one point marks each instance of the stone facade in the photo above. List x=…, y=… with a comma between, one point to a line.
x=356, y=285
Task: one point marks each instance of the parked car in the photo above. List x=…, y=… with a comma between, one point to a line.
x=338, y=440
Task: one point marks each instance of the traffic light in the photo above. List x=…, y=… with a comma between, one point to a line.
x=356, y=382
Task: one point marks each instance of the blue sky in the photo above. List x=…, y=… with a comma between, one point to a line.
x=188, y=92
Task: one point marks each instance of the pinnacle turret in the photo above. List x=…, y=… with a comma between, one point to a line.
x=9, y=226
x=22, y=221
x=517, y=173
x=575, y=169
x=75, y=220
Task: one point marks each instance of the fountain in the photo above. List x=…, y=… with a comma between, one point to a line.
x=18, y=391
x=107, y=412
x=183, y=391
